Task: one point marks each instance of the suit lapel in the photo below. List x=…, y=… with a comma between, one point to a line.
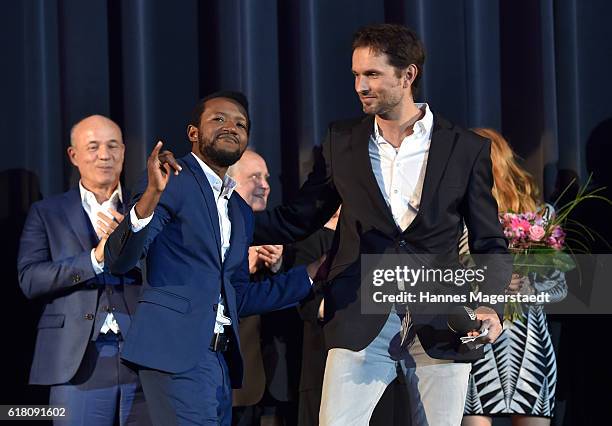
x=442, y=141
x=360, y=139
x=77, y=218
x=123, y=205
x=211, y=205
x=237, y=221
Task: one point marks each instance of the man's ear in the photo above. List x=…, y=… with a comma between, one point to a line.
x=192, y=133
x=410, y=75
x=72, y=155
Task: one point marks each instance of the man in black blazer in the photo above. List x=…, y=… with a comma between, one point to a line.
x=408, y=181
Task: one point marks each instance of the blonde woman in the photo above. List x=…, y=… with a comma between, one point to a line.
x=518, y=373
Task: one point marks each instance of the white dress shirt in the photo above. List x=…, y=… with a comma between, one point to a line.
x=92, y=208
x=399, y=171
x=222, y=191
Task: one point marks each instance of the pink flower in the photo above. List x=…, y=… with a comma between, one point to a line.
x=554, y=243
x=536, y=233
x=520, y=226
x=529, y=229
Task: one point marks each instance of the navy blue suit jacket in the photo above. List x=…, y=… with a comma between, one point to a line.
x=54, y=262
x=175, y=319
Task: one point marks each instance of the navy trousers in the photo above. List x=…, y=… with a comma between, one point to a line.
x=104, y=391
x=200, y=396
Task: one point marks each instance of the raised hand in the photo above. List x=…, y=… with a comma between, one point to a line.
x=159, y=167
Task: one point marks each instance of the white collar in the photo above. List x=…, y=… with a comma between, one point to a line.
x=224, y=187
x=89, y=197
x=421, y=128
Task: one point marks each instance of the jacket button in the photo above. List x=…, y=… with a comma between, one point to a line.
x=88, y=317
x=403, y=243
x=215, y=307
x=76, y=278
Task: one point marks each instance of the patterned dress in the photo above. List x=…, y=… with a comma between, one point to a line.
x=518, y=373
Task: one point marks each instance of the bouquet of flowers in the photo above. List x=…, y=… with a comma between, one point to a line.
x=537, y=240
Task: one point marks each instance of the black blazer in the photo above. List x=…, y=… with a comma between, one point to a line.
x=456, y=189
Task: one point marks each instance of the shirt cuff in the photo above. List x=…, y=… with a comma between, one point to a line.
x=98, y=267
x=138, y=224
x=276, y=267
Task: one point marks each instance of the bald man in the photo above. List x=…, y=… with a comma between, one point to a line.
x=269, y=386
x=251, y=175
x=87, y=310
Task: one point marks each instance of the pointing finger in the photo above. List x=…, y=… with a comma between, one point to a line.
x=156, y=149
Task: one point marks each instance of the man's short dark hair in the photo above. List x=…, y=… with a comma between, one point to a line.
x=401, y=45
x=238, y=97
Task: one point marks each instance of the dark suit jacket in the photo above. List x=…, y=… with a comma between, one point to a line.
x=314, y=353
x=54, y=262
x=176, y=315
x=456, y=189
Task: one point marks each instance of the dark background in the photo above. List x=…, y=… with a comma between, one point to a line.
x=538, y=70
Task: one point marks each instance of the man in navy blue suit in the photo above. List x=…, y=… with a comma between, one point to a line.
x=195, y=231
x=87, y=311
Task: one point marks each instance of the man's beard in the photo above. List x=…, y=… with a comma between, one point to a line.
x=218, y=156
x=386, y=102
x=384, y=106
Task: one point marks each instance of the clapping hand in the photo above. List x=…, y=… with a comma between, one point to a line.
x=271, y=256
x=105, y=225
